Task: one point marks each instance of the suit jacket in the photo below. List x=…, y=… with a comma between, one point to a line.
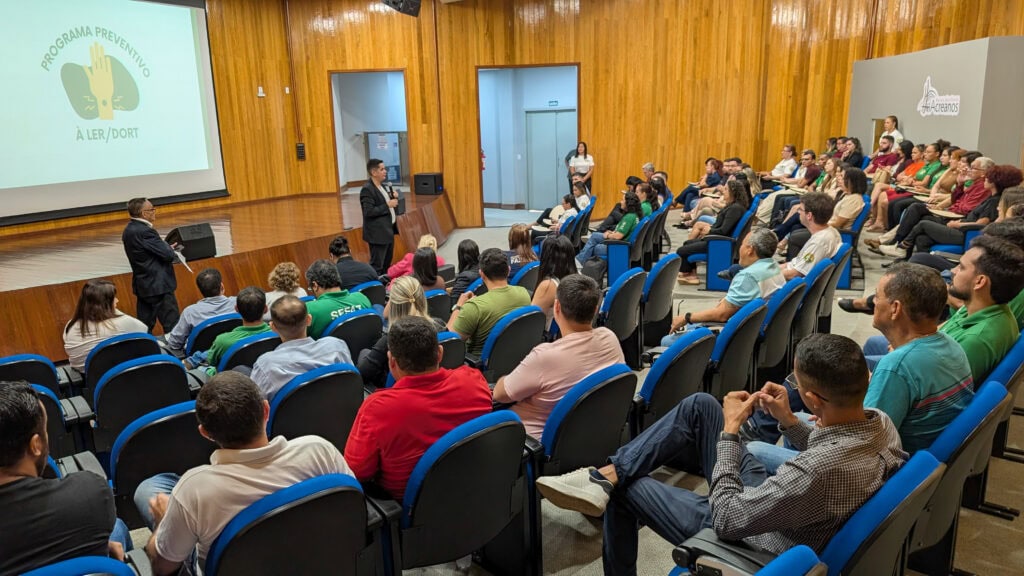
x=151, y=258
x=377, y=226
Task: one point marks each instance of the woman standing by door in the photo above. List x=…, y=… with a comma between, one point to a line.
x=582, y=163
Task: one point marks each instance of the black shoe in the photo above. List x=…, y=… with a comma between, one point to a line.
x=724, y=274
x=847, y=305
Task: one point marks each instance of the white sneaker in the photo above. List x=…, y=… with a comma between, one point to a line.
x=575, y=491
x=889, y=235
x=893, y=251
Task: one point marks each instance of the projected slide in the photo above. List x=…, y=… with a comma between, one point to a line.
x=98, y=94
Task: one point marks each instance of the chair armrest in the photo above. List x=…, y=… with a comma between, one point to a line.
x=87, y=461
x=616, y=242
x=390, y=513
x=964, y=227
x=718, y=238
x=948, y=256
x=68, y=378
x=139, y=562
x=533, y=446
x=707, y=543
x=83, y=412
x=474, y=361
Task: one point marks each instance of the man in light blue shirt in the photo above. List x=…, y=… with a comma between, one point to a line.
x=759, y=278
x=297, y=353
x=214, y=303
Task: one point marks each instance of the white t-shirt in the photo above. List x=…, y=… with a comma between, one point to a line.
x=823, y=244
x=583, y=200
x=78, y=347
x=784, y=167
x=207, y=497
x=581, y=164
x=896, y=136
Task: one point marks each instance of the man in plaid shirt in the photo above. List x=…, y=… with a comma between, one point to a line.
x=845, y=457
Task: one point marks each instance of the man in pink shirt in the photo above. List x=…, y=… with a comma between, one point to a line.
x=550, y=370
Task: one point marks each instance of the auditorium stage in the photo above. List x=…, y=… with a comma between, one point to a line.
x=41, y=274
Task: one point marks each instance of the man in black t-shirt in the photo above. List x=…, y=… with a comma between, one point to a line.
x=47, y=521
x=352, y=271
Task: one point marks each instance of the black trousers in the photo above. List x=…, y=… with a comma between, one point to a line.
x=163, y=307
x=612, y=220
x=380, y=256
x=914, y=213
x=689, y=248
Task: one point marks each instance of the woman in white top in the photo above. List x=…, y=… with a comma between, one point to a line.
x=284, y=281
x=582, y=163
x=96, y=319
x=582, y=194
x=557, y=260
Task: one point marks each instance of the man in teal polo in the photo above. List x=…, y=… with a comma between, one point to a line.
x=331, y=301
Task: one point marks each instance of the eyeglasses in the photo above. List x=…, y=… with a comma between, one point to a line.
x=792, y=384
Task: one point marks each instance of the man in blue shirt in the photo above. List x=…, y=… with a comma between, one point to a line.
x=214, y=303
x=759, y=278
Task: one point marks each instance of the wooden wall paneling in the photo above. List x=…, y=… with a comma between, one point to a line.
x=910, y=25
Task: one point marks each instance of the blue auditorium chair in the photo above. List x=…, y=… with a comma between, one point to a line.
x=871, y=542
x=582, y=225
x=797, y=561
x=321, y=402
x=806, y=321
x=478, y=287
x=202, y=336
x=374, y=292
x=308, y=298
x=723, y=251
x=620, y=313
x=566, y=228
x=247, y=350
x=439, y=304
x=360, y=330
x=677, y=373
x=851, y=236
x=732, y=360
x=773, y=340
x=84, y=566
x=656, y=248
x=63, y=423
x=971, y=231
x=454, y=349
x=624, y=254
x=509, y=341
x=34, y=369
x=526, y=277
x=113, y=351
x=841, y=258
x=340, y=534
x=464, y=491
x=657, y=297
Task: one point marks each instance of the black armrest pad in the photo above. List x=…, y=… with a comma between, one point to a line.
x=473, y=361
x=533, y=446
x=82, y=409
x=139, y=562
x=68, y=376
x=964, y=227
x=706, y=542
x=389, y=509
x=88, y=461
x=617, y=242
x=719, y=237
x=67, y=465
x=176, y=352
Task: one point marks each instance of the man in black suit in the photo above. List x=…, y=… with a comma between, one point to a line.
x=152, y=262
x=379, y=217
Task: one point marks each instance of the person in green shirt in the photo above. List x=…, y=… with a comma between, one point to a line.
x=648, y=199
x=331, y=301
x=632, y=213
x=251, y=304
x=988, y=276
x=473, y=317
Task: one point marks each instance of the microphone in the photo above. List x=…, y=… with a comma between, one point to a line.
x=389, y=187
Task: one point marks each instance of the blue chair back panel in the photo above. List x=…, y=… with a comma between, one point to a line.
x=32, y=368
x=202, y=336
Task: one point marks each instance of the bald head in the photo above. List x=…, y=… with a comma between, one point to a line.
x=289, y=318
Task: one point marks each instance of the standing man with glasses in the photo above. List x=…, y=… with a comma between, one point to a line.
x=152, y=261
x=378, y=203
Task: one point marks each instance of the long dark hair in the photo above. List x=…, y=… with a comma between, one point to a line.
x=96, y=304
x=424, y=266
x=739, y=192
x=633, y=205
x=649, y=196
x=469, y=255
x=557, y=258
x=571, y=201
x=585, y=151
x=856, y=182
x=907, y=149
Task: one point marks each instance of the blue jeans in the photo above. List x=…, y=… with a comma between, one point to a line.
x=773, y=455
x=594, y=247
x=685, y=438
x=121, y=535
x=874, y=349
x=688, y=196
x=150, y=487
x=707, y=219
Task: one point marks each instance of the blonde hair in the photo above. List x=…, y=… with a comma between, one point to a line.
x=755, y=182
x=428, y=241
x=407, y=299
x=284, y=277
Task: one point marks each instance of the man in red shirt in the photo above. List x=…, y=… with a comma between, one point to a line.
x=886, y=157
x=396, y=425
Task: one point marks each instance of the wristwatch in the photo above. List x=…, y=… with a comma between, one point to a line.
x=456, y=308
x=686, y=319
x=729, y=436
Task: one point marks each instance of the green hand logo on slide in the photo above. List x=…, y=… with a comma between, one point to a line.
x=96, y=91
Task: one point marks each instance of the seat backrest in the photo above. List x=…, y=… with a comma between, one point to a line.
x=566, y=226
x=447, y=272
x=82, y=566
x=478, y=287
x=454, y=349
x=374, y=292
x=733, y=355
x=477, y=467
x=1010, y=371
x=782, y=307
x=308, y=298
x=586, y=424
x=638, y=237
x=839, y=259
x=659, y=286
x=872, y=539
x=202, y=336
x=807, y=313
x=652, y=232
x=439, y=304
x=360, y=330
x=31, y=368
x=330, y=512
x=582, y=224
x=527, y=276
x=137, y=387
x=677, y=373
x=248, y=349
x=115, y=350
x=321, y=402
x=511, y=339
x=797, y=561
x=61, y=441
x=620, y=309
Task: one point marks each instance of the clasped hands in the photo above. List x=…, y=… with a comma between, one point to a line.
x=772, y=398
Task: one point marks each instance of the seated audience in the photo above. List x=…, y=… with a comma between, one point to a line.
x=551, y=369
x=186, y=513
x=47, y=520
x=352, y=271
x=736, y=201
x=520, y=248
x=214, y=303
x=816, y=209
x=648, y=198
x=632, y=213
x=938, y=187
x=96, y=319
x=407, y=299
x=297, y=353
x=844, y=458
x=853, y=154
x=284, y=281
x=469, y=267
x=713, y=176
x=569, y=209
x=556, y=262
x=784, y=168
x=424, y=270
x=331, y=301
x=884, y=178
x=251, y=304
x=395, y=426
x=404, y=266
x=806, y=175
x=580, y=194
x=920, y=182
x=849, y=202
x=759, y=278
x=613, y=218
x=885, y=157
x=473, y=317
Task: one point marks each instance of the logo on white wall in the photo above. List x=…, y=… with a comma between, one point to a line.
x=934, y=104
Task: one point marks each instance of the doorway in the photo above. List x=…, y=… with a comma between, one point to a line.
x=549, y=137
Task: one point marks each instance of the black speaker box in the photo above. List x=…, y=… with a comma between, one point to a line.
x=428, y=183
x=410, y=7
x=197, y=240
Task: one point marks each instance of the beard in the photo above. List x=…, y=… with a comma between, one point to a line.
x=960, y=295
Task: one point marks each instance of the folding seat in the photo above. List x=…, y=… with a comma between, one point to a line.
x=321, y=402
x=63, y=423
x=620, y=313
x=247, y=350
x=465, y=491
x=374, y=291
x=84, y=566
x=840, y=259
x=360, y=330
x=851, y=236
x=439, y=304
x=723, y=251
x=340, y=533
x=971, y=231
x=510, y=340
x=526, y=277
x=732, y=361
x=773, y=340
x=113, y=351
x=35, y=369
x=872, y=542
x=202, y=336
x=628, y=252
x=566, y=228
x=454, y=349
x=677, y=373
x=806, y=321
x=657, y=297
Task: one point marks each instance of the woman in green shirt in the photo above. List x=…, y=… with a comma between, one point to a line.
x=929, y=174
x=648, y=199
x=632, y=213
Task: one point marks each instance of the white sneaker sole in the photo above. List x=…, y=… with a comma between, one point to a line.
x=570, y=498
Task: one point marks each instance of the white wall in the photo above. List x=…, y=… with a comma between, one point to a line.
x=365, y=102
